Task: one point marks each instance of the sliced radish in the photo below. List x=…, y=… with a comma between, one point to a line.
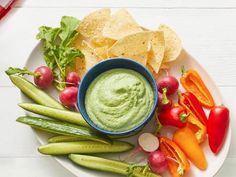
x=157, y=162
x=148, y=142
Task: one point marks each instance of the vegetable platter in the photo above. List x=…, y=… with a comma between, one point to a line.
x=189, y=134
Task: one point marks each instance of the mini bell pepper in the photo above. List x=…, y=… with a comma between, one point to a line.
x=186, y=140
x=177, y=161
x=191, y=103
x=193, y=83
x=218, y=124
x=197, y=127
x=175, y=116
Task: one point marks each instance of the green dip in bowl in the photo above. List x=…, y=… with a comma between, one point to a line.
x=119, y=99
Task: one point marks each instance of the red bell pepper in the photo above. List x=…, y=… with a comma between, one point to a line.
x=191, y=103
x=218, y=124
x=175, y=116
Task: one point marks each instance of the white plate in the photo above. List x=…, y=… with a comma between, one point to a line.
x=214, y=162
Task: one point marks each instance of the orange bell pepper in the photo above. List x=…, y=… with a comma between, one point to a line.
x=193, y=83
x=186, y=140
x=197, y=127
x=177, y=161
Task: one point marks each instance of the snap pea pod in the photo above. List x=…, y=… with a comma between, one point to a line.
x=63, y=138
x=84, y=147
x=34, y=92
x=63, y=128
x=64, y=115
x=102, y=164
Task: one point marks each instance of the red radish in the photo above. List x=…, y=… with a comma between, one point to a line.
x=68, y=96
x=72, y=79
x=164, y=103
x=170, y=83
x=148, y=142
x=157, y=162
x=45, y=77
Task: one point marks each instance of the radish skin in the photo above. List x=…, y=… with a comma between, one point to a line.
x=169, y=82
x=72, y=79
x=68, y=96
x=157, y=162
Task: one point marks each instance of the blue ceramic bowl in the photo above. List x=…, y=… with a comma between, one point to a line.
x=107, y=65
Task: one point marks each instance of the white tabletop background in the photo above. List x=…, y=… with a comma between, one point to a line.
x=206, y=27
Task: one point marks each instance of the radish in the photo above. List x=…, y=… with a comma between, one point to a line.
x=157, y=162
x=72, y=79
x=68, y=97
x=44, y=78
x=169, y=82
x=147, y=143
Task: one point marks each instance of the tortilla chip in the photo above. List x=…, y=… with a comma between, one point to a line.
x=80, y=66
x=89, y=60
x=155, y=75
x=173, y=44
x=77, y=42
x=156, y=54
x=134, y=46
x=92, y=25
x=101, y=52
x=164, y=66
x=120, y=24
x=101, y=42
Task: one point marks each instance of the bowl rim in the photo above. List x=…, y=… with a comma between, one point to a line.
x=135, y=128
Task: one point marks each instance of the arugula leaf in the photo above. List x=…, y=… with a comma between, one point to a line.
x=12, y=71
x=68, y=54
x=48, y=34
x=68, y=26
x=57, y=51
x=49, y=58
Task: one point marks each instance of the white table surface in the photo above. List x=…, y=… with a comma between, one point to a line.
x=208, y=31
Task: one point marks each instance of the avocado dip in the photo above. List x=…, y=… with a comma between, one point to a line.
x=119, y=100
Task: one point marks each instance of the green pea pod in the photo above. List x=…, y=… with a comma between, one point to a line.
x=63, y=115
x=63, y=138
x=34, y=92
x=63, y=128
x=113, y=166
x=84, y=147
